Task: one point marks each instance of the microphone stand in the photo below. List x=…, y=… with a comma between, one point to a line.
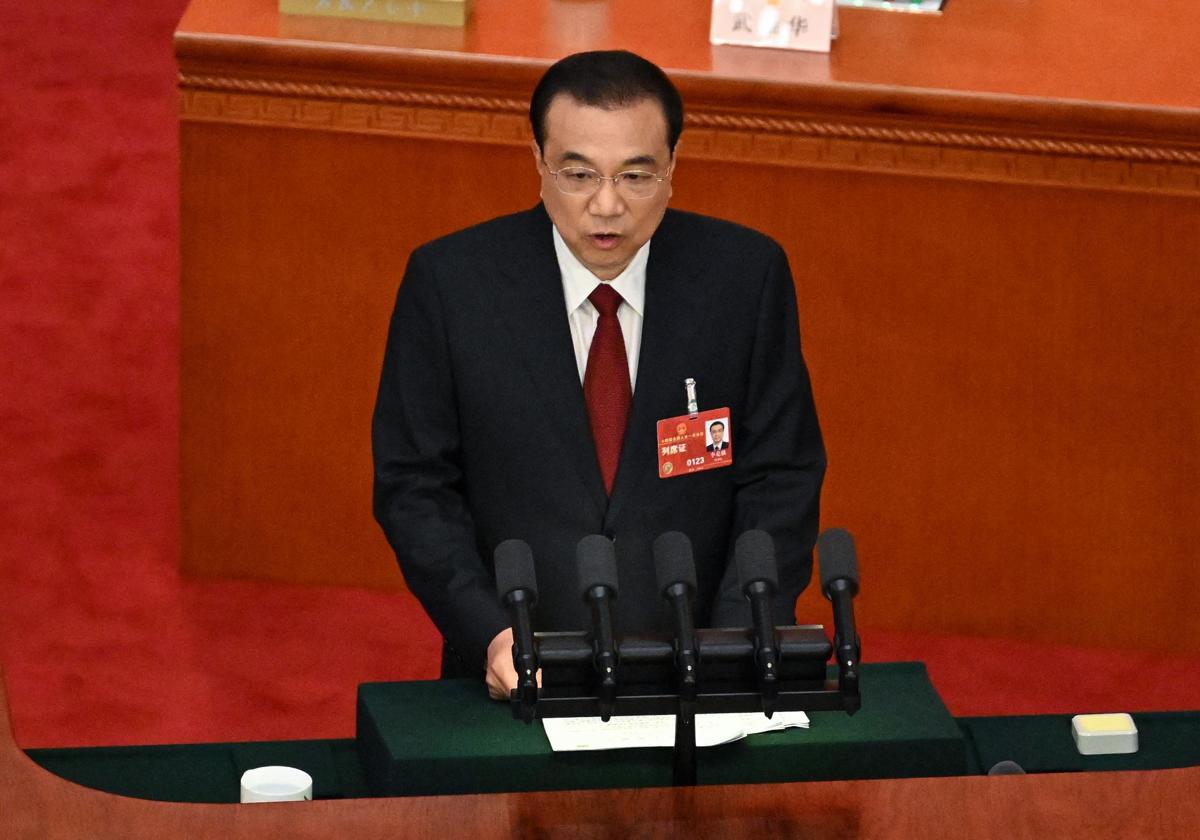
x=765, y=669
x=766, y=655
x=845, y=637
x=659, y=681
x=686, y=662
x=605, y=656
x=525, y=662
x=683, y=770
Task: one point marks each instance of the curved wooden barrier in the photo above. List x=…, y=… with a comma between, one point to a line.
x=36, y=804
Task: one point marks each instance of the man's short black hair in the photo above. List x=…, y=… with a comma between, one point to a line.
x=606, y=79
x=714, y=424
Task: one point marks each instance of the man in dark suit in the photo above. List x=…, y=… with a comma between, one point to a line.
x=572, y=328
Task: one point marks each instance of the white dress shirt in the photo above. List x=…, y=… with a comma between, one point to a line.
x=578, y=282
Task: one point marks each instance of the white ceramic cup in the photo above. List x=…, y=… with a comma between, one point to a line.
x=276, y=784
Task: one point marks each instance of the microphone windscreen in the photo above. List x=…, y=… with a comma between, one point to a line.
x=754, y=554
x=514, y=568
x=673, y=562
x=596, y=559
x=835, y=550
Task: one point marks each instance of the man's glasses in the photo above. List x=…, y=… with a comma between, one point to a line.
x=579, y=180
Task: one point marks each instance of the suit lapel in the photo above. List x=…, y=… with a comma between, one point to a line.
x=668, y=341
x=531, y=307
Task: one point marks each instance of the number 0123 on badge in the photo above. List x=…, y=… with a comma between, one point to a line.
x=690, y=444
x=809, y=25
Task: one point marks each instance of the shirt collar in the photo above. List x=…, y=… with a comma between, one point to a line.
x=578, y=282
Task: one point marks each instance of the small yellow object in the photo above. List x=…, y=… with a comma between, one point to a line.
x=1108, y=734
x=1105, y=723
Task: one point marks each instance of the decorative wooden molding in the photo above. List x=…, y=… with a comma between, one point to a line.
x=889, y=145
x=355, y=93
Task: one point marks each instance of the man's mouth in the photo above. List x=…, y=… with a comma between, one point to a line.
x=605, y=240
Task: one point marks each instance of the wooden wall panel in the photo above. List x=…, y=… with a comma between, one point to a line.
x=998, y=294
x=1007, y=381
x=295, y=248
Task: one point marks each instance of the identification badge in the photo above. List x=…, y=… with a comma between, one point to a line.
x=690, y=444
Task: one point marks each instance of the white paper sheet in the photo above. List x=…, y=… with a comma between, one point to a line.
x=624, y=732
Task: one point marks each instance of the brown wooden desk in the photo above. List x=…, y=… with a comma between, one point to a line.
x=35, y=804
x=993, y=218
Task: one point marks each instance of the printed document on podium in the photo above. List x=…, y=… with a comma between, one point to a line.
x=625, y=732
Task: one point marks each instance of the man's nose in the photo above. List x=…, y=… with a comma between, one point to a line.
x=606, y=201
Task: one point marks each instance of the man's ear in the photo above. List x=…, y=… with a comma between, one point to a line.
x=537, y=163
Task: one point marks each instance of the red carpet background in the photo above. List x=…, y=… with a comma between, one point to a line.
x=101, y=640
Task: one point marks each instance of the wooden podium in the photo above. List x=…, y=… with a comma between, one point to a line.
x=993, y=217
x=35, y=805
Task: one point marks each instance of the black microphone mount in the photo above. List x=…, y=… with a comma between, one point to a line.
x=597, y=561
x=839, y=582
x=754, y=555
x=516, y=583
x=693, y=671
x=675, y=569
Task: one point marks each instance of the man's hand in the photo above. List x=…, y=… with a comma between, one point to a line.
x=501, y=675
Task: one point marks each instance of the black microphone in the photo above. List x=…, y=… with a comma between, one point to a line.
x=676, y=572
x=596, y=558
x=516, y=583
x=754, y=555
x=839, y=582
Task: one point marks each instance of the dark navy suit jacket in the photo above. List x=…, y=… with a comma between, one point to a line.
x=479, y=355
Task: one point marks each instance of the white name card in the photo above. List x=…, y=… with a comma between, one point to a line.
x=783, y=24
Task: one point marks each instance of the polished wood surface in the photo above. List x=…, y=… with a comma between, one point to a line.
x=1047, y=50
x=1042, y=94
x=993, y=218
x=36, y=804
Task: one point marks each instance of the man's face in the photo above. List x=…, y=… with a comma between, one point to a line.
x=718, y=433
x=604, y=230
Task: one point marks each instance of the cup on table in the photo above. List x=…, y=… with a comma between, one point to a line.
x=276, y=784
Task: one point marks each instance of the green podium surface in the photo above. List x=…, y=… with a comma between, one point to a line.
x=1043, y=743
x=441, y=737
x=209, y=773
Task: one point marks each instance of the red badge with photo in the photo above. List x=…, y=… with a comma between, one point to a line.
x=693, y=444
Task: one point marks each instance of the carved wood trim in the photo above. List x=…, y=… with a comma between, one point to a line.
x=882, y=145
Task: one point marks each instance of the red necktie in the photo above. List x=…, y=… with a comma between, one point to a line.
x=606, y=385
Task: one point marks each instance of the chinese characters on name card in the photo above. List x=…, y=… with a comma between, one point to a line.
x=783, y=24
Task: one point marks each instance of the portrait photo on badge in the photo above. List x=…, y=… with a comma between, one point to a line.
x=716, y=434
